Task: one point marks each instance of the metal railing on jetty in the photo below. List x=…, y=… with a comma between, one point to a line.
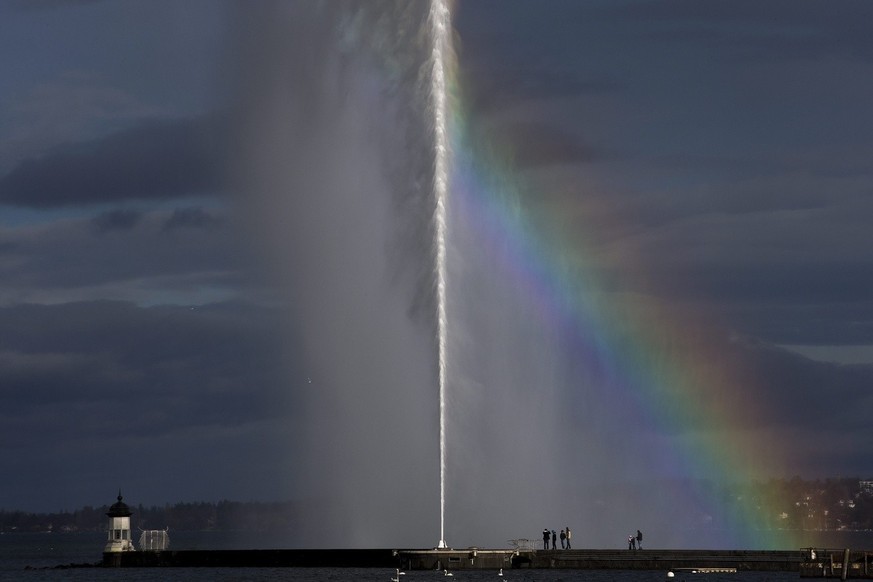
x=836, y=563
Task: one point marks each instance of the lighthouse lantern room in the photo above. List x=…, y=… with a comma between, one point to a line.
x=119, y=528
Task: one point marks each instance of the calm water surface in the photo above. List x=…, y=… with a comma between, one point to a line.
x=20, y=551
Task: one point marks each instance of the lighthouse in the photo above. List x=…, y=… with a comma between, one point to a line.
x=119, y=528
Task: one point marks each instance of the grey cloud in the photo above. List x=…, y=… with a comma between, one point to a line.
x=36, y=5
x=539, y=145
x=783, y=282
x=156, y=160
x=190, y=217
x=116, y=220
x=788, y=276
x=765, y=277
x=501, y=68
x=169, y=366
x=783, y=376
x=124, y=255
x=494, y=88
x=745, y=30
x=835, y=324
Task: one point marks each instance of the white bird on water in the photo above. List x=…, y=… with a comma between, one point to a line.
x=447, y=573
x=500, y=573
x=399, y=574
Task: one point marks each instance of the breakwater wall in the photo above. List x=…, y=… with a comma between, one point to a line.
x=476, y=559
x=467, y=559
x=323, y=558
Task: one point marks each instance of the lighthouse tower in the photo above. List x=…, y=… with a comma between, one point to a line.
x=119, y=528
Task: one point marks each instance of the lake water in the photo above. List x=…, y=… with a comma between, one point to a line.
x=20, y=552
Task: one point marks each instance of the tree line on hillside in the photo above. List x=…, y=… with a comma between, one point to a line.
x=796, y=504
x=198, y=516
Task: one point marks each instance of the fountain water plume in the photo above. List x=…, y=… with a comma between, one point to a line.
x=440, y=22
x=336, y=182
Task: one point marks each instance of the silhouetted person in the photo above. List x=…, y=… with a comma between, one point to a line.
x=554, y=539
x=568, y=538
x=563, y=539
x=546, y=537
x=631, y=542
x=639, y=540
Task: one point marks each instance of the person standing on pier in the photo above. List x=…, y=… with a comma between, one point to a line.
x=563, y=540
x=631, y=542
x=568, y=538
x=639, y=540
x=554, y=540
x=546, y=536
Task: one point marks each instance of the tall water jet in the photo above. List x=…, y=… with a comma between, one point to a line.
x=440, y=21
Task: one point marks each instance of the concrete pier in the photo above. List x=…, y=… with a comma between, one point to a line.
x=316, y=558
x=823, y=564
x=466, y=559
x=479, y=559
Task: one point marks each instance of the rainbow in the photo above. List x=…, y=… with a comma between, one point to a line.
x=658, y=356
x=660, y=359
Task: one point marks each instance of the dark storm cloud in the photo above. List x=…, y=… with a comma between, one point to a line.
x=31, y=5
x=787, y=397
x=768, y=377
x=783, y=283
x=781, y=375
x=172, y=365
x=737, y=140
x=491, y=89
x=88, y=385
x=535, y=145
x=156, y=160
x=124, y=254
x=116, y=220
x=191, y=217
x=746, y=30
x=500, y=68
x=791, y=173
x=848, y=323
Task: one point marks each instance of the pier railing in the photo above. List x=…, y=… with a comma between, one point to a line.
x=524, y=544
x=835, y=563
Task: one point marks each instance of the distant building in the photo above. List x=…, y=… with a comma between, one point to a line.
x=866, y=487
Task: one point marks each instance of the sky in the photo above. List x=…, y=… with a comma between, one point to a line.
x=215, y=248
